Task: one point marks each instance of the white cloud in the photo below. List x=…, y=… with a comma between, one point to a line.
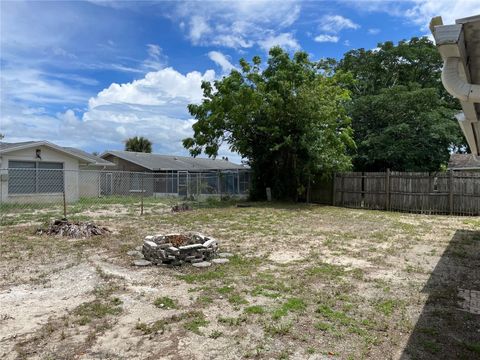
x=284, y=40
x=156, y=60
x=157, y=88
x=423, y=10
x=220, y=59
x=327, y=38
x=154, y=106
x=373, y=31
x=198, y=28
x=336, y=23
x=37, y=87
x=420, y=12
x=235, y=24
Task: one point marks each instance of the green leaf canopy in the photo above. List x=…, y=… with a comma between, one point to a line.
x=288, y=120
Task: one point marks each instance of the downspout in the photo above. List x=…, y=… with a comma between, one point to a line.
x=455, y=85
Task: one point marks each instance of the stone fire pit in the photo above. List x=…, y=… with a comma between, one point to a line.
x=176, y=249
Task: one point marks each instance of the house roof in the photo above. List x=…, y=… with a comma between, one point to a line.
x=461, y=41
x=97, y=159
x=464, y=162
x=157, y=162
x=77, y=153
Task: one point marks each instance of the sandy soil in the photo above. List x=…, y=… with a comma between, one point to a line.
x=306, y=282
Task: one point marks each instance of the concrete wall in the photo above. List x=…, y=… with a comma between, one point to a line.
x=89, y=183
x=70, y=166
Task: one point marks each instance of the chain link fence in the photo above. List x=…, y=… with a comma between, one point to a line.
x=65, y=192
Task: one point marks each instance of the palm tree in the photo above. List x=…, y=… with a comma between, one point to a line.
x=138, y=144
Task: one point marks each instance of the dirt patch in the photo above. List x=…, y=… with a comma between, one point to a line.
x=306, y=282
x=27, y=308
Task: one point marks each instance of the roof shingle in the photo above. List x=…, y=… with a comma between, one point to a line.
x=464, y=162
x=157, y=162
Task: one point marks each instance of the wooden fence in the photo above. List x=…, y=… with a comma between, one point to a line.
x=455, y=193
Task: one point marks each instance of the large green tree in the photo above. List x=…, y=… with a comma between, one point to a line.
x=402, y=116
x=138, y=144
x=287, y=120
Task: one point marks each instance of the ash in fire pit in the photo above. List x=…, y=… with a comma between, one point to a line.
x=175, y=249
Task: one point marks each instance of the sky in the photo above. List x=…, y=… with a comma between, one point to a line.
x=91, y=74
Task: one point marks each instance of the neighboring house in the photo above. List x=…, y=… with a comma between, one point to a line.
x=42, y=171
x=168, y=174
x=464, y=162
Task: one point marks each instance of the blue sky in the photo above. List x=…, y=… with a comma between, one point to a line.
x=92, y=73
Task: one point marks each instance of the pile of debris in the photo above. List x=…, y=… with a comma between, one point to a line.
x=73, y=229
x=176, y=249
x=181, y=207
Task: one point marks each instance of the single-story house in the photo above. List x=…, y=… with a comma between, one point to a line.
x=35, y=171
x=464, y=162
x=155, y=174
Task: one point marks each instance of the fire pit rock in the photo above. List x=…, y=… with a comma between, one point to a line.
x=176, y=249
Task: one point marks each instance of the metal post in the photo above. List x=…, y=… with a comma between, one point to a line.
x=238, y=182
x=64, y=205
x=141, y=196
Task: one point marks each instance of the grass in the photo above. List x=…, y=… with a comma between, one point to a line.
x=156, y=327
x=203, y=276
x=192, y=321
x=215, y=334
x=196, y=320
x=334, y=297
x=165, y=303
x=232, y=321
x=337, y=316
x=431, y=346
x=97, y=309
x=278, y=328
x=291, y=305
x=327, y=270
x=387, y=307
x=472, y=346
x=255, y=309
x=237, y=299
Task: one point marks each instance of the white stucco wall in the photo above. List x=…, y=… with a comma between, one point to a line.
x=70, y=166
x=89, y=183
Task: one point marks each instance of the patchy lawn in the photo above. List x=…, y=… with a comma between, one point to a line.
x=306, y=282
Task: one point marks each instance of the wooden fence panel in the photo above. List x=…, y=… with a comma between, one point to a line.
x=428, y=193
x=374, y=196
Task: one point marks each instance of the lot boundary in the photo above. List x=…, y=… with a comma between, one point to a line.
x=452, y=192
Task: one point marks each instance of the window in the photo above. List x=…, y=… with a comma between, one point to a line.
x=29, y=177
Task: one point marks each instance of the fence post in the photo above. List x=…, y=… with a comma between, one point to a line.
x=342, y=189
x=387, y=190
x=308, y=190
x=238, y=182
x=141, y=196
x=362, y=202
x=334, y=190
x=64, y=205
x=450, y=191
